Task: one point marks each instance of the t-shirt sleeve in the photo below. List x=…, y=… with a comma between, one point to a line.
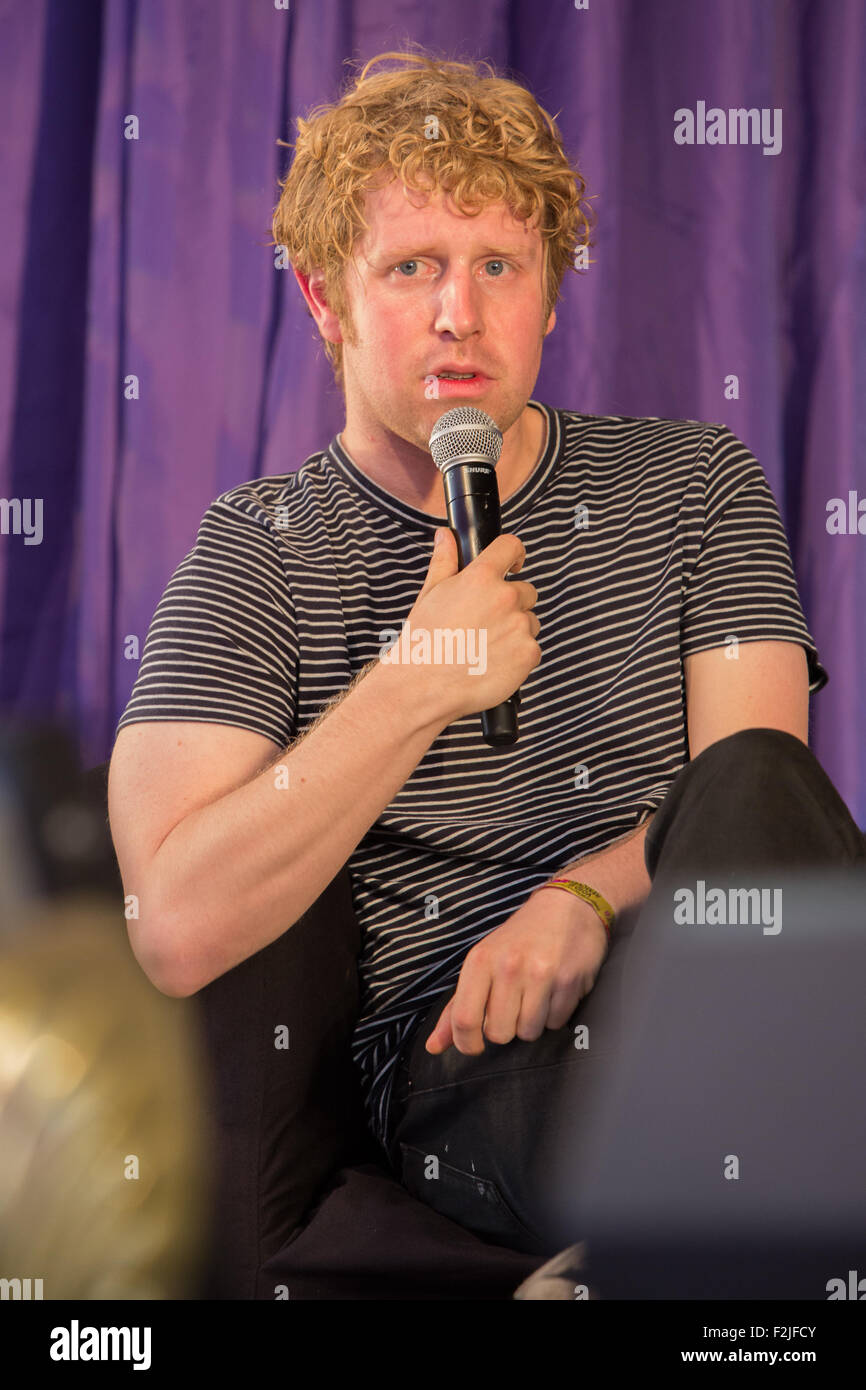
x=739, y=579
x=222, y=647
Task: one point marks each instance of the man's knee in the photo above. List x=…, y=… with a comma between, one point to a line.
x=755, y=789
x=752, y=746
x=752, y=761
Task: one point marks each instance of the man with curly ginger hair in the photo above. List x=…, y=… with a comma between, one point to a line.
x=430, y=216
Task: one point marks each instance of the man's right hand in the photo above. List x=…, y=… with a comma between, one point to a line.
x=491, y=623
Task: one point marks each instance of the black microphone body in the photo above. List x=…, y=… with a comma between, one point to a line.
x=472, y=503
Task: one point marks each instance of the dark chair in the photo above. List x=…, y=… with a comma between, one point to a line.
x=285, y=1101
x=306, y=1205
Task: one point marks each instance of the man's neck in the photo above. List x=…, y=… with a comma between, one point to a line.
x=422, y=488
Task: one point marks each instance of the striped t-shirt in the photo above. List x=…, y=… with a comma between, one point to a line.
x=646, y=539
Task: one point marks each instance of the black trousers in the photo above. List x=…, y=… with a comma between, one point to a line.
x=468, y=1133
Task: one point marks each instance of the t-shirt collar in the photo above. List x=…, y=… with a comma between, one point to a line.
x=510, y=510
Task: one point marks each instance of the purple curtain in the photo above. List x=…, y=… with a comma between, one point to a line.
x=148, y=257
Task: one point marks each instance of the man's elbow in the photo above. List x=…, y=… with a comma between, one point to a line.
x=164, y=967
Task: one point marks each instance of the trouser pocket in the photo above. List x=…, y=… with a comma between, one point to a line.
x=470, y=1199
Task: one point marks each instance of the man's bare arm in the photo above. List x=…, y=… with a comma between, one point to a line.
x=618, y=871
x=233, y=875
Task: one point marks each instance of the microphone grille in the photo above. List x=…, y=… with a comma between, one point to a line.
x=464, y=430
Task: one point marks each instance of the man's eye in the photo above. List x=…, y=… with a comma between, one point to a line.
x=414, y=263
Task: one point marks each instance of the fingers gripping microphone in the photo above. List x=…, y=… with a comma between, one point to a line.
x=466, y=445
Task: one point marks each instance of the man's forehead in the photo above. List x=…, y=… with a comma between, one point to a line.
x=398, y=216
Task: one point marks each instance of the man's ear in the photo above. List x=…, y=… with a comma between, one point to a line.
x=313, y=290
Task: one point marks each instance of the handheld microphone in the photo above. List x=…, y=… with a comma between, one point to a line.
x=466, y=444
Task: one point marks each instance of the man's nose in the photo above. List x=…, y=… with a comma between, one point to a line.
x=458, y=309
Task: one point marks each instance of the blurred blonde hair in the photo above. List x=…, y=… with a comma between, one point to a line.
x=492, y=142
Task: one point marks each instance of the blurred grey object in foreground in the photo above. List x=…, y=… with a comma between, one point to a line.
x=105, y=1178
x=740, y=1052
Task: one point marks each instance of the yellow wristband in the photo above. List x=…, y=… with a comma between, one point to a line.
x=589, y=895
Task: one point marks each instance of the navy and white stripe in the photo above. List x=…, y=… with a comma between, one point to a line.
x=292, y=580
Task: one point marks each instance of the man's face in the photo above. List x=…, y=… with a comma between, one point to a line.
x=430, y=288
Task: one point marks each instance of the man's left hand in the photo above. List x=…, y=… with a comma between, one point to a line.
x=524, y=976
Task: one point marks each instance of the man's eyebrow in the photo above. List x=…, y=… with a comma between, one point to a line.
x=401, y=253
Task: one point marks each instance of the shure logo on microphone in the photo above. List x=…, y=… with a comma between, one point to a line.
x=449, y=646
x=469, y=467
